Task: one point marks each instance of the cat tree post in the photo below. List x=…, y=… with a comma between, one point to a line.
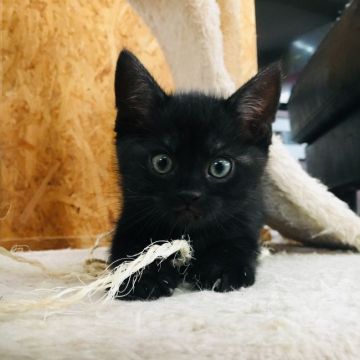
x=238, y=29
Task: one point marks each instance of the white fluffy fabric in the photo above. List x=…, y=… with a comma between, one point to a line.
x=303, y=306
x=189, y=33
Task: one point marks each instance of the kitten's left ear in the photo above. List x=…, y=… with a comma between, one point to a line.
x=256, y=103
x=136, y=94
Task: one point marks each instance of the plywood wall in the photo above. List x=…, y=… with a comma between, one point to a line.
x=57, y=180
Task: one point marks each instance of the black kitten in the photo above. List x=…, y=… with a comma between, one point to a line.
x=191, y=164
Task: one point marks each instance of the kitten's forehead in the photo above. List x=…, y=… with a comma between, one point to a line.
x=194, y=112
x=193, y=104
x=197, y=120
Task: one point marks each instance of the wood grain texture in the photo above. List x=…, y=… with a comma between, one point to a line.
x=57, y=179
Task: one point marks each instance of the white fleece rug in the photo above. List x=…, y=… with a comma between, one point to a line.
x=303, y=306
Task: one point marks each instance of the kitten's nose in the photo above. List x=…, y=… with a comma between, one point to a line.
x=189, y=196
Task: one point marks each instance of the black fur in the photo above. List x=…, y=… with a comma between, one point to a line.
x=221, y=216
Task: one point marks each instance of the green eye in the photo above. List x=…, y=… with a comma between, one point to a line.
x=220, y=168
x=162, y=163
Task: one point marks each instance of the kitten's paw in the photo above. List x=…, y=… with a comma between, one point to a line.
x=222, y=277
x=156, y=281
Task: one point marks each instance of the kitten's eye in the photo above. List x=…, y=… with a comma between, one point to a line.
x=220, y=168
x=162, y=163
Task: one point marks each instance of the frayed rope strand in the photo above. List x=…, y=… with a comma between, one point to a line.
x=110, y=280
x=93, y=267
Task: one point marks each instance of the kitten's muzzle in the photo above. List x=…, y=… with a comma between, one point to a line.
x=186, y=209
x=187, y=213
x=189, y=196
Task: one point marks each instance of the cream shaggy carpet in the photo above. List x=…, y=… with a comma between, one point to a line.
x=303, y=306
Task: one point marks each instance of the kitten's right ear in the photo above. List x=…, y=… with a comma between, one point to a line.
x=136, y=93
x=256, y=102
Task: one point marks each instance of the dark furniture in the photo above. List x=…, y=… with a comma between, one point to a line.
x=324, y=108
x=279, y=22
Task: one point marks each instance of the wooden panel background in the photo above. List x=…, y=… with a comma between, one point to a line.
x=58, y=187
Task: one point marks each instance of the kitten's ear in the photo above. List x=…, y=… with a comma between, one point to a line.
x=256, y=103
x=136, y=93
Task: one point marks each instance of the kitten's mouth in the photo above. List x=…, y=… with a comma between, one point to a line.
x=188, y=212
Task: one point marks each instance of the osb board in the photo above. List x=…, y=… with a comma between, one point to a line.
x=57, y=178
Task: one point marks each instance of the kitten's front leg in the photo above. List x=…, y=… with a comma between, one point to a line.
x=157, y=279
x=223, y=268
